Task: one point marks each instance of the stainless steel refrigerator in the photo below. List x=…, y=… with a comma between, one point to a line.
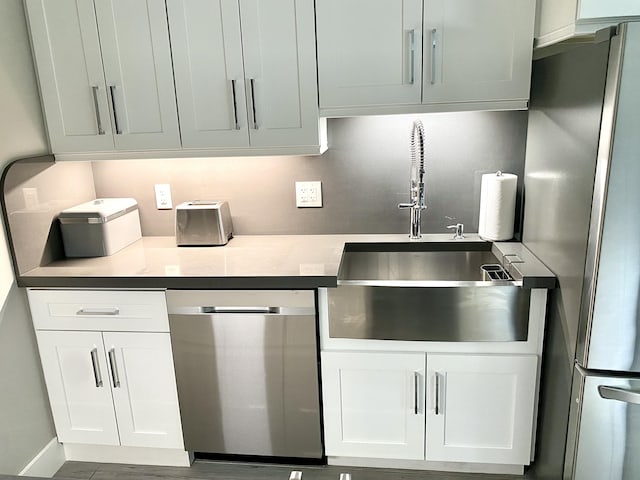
x=582, y=219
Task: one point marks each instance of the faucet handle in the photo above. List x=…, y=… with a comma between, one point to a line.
x=406, y=205
x=459, y=227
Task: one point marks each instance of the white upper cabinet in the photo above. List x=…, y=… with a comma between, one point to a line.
x=562, y=19
x=413, y=56
x=134, y=37
x=67, y=53
x=477, y=50
x=369, y=52
x=245, y=72
x=105, y=74
x=207, y=57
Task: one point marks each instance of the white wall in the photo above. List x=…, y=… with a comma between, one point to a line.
x=25, y=419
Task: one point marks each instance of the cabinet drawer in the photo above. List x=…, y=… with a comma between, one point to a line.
x=99, y=310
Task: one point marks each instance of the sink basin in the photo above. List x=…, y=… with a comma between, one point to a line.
x=426, y=292
x=421, y=264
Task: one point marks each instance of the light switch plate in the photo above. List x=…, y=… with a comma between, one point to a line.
x=308, y=194
x=163, y=196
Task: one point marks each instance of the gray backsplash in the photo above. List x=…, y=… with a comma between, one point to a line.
x=364, y=176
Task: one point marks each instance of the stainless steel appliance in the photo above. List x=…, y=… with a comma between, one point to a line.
x=582, y=200
x=247, y=371
x=203, y=222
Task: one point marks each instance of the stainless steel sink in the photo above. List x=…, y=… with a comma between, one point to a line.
x=426, y=292
x=384, y=267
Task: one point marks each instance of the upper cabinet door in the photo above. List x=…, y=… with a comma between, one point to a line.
x=278, y=38
x=134, y=37
x=207, y=57
x=369, y=52
x=477, y=50
x=68, y=59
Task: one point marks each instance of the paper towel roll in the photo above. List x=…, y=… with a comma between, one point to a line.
x=497, y=206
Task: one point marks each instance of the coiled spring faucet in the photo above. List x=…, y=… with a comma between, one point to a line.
x=417, y=201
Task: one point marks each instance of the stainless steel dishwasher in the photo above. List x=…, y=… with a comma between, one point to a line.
x=247, y=371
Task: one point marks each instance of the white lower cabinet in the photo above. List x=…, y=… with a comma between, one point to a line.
x=480, y=408
x=466, y=408
x=373, y=404
x=108, y=387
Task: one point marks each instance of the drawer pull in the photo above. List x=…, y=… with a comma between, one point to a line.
x=99, y=311
x=114, y=368
x=97, y=375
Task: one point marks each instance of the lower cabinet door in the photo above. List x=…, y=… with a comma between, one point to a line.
x=480, y=408
x=144, y=389
x=76, y=375
x=374, y=404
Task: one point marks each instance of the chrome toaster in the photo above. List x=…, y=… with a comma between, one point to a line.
x=203, y=222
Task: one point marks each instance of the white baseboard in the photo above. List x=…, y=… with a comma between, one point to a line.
x=425, y=465
x=131, y=455
x=47, y=462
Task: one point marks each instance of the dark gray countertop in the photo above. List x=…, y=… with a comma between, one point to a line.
x=269, y=261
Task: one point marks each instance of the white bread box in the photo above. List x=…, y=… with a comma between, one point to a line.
x=100, y=227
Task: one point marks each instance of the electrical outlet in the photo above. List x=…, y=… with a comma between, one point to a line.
x=163, y=196
x=308, y=194
x=30, y=195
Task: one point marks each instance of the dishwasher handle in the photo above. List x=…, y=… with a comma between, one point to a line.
x=243, y=310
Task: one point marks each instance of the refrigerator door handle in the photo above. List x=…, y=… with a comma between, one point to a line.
x=619, y=394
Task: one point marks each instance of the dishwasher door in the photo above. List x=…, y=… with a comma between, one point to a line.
x=247, y=371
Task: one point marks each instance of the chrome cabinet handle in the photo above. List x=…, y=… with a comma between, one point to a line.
x=97, y=109
x=412, y=55
x=619, y=394
x=437, y=406
x=416, y=385
x=434, y=44
x=112, y=91
x=253, y=103
x=235, y=105
x=114, y=368
x=97, y=375
x=99, y=311
x=295, y=475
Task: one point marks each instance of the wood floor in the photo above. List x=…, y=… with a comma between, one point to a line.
x=206, y=470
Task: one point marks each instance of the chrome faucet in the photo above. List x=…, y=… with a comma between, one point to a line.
x=417, y=201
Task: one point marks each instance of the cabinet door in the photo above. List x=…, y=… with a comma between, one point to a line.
x=67, y=54
x=278, y=39
x=134, y=37
x=477, y=50
x=144, y=389
x=369, y=52
x=75, y=372
x=373, y=404
x=207, y=58
x=480, y=408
